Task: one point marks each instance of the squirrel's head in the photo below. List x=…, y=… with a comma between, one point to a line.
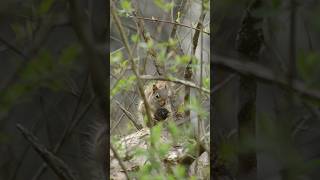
x=160, y=93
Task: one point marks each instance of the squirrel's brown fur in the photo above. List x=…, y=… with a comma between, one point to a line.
x=158, y=96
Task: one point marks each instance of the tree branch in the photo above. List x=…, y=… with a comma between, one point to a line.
x=130, y=116
x=14, y=49
x=61, y=169
x=120, y=161
x=265, y=75
x=175, y=80
x=133, y=67
x=170, y=22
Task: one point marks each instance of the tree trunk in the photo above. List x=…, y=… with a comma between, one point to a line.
x=249, y=41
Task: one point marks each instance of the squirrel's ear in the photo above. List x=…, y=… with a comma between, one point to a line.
x=154, y=87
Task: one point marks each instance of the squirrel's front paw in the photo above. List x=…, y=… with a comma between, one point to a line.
x=161, y=114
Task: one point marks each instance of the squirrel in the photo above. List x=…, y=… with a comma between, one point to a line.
x=158, y=95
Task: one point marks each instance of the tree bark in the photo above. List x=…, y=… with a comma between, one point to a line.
x=248, y=43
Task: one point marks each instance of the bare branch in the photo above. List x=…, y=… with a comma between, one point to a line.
x=14, y=49
x=130, y=116
x=265, y=75
x=223, y=83
x=120, y=161
x=174, y=23
x=175, y=80
x=61, y=169
x=66, y=134
x=188, y=71
x=133, y=67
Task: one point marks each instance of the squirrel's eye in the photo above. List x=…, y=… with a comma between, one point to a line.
x=157, y=95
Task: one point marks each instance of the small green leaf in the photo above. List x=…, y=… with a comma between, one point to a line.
x=179, y=172
x=135, y=38
x=116, y=57
x=123, y=84
x=164, y=5
x=173, y=129
x=69, y=54
x=156, y=133
x=126, y=5
x=206, y=82
x=163, y=149
x=45, y=6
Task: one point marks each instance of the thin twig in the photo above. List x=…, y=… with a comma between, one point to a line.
x=140, y=27
x=67, y=130
x=175, y=80
x=34, y=128
x=265, y=75
x=66, y=134
x=223, y=83
x=292, y=42
x=42, y=33
x=174, y=29
x=61, y=169
x=120, y=161
x=188, y=70
x=133, y=67
x=122, y=115
x=170, y=22
x=199, y=117
x=130, y=116
x=14, y=49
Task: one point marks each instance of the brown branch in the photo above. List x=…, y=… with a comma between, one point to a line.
x=292, y=42
x=188, y=71
x=140, y=27
x=42, y=35
x=67, y=132
x=122, y=115
x=175, y=80
x=176, y=9
x=265, y=75
x=223, y=83
x=14, y=49
x=174, y=23
x=120, y=161
x=60, y=168
x=130, y=116
x=34, y=129
x=133, y=67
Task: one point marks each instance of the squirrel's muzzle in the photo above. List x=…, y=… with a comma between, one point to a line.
x=162, y=102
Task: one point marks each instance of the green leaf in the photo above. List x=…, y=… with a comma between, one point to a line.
x=308, y=65
x=206, y=82
x=135, y=38
x=184, y=59
x=39, y=67
x=45, y=6
x=163, y=149
x=116, y=57
x=69, y=54
x=276, y=3
x=123, y=84
x=126, y=5
x=173, y=129
x=156, y=133
x=196, y=106
x=179, y=172
x=19, y=31
x=164, y=5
